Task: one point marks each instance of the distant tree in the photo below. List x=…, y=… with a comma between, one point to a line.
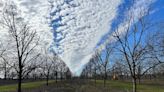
x=103, y=61
x=118, y=70
x=4, y=62
x=156, y=46
x=93, y=68
x=55, y=66
x=5, y=67
x=68, y=74
x=47, y=66
x=84, y=73
x=62, y=68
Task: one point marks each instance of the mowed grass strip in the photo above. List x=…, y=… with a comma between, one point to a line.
x=29, y=85
x=127, y=86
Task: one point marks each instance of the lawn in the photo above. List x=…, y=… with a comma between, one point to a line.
x=30, y=85
x=146, y=86
x=86, y=86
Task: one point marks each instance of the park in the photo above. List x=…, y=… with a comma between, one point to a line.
x=81, y=46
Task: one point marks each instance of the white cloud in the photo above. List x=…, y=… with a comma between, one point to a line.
x=34, y=12
x=84, y=26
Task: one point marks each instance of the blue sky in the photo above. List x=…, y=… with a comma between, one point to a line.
x=156, y=16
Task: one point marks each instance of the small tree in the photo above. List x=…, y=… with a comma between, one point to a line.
x=4, y=64
x=104, y=62
x=47, y=66
x=55, y=67
x=62, y=69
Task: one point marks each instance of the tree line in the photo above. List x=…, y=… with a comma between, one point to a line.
x=137, y=51
x=22, y=55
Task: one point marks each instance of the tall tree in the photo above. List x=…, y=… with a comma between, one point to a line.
x=24, y=41
x=134, y=47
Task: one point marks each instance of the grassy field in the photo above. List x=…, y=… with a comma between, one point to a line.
x=30, y=85
x=145, y=86
x=86, y=86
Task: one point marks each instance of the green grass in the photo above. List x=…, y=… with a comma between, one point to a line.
x=111, y=86
x=29, y=85
x=127, y=86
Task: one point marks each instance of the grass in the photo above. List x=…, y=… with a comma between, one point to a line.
x=127, y=86
x=111, y=86
x=29, y=85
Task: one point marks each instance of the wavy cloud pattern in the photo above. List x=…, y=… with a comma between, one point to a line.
x=78, y=26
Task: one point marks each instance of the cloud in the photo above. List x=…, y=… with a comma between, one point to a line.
x=82, y=23
x=34, y=12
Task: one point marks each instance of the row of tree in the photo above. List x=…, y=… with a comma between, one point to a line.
x=22, y=54
x=137, y=51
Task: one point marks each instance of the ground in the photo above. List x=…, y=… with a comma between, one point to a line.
x=80, y=85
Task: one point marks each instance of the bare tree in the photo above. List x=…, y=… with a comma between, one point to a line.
x=5, y=67
x=93, y=68
x=104, y=62
x=134, y=47
x=55, y=66
x=24, y=41
x=118, y=70
x=62, y=68
x=47, y=66
x=156, y=45
x=48, y=62
x=4, y=64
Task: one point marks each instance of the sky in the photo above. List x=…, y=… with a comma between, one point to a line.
x=74, y=29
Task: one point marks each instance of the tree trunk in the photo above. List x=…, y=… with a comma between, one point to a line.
x=5, y=76
x=104, y=82
x=19, y=80
x=20, y=75
x=56, y=74
x=139, y=80
x=47, y=79
x=150, y=76
x=61, y=76
x=95, y=76
x=105, y=77
x=134, y=78
x=134, y=85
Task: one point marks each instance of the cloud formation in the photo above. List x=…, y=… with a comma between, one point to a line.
x=80, y=25
x=77, y=25
x=34, y=12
